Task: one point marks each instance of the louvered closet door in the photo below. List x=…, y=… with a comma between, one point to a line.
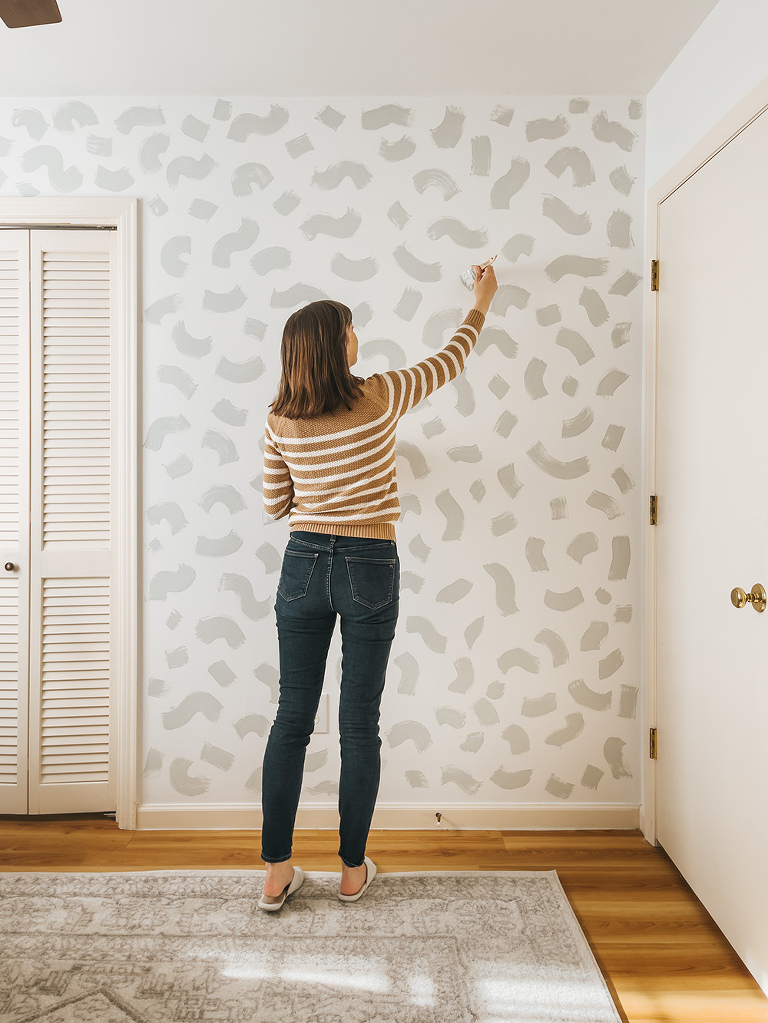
x=14, y=518
x=71, y=755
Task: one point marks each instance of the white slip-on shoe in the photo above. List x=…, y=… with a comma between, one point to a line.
x=273, y=902
x=370, y=874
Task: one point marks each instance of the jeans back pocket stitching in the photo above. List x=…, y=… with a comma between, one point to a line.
x=373, y=561
x=300, y=554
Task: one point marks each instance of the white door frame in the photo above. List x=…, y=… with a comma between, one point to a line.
x=734, y=122
x=122, y=214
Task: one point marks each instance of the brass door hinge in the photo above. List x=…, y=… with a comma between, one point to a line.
x=653, y=509
x=654, y=275
x=653, y=744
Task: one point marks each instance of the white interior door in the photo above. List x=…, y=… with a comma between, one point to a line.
x=712, y=535
x=65, y=748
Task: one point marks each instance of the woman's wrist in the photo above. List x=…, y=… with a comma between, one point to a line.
x=481, y=307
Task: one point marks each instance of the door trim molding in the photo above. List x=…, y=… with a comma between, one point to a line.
x=122, y=214
x=735, y=121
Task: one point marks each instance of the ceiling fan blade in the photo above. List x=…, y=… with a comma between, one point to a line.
x=23, y=13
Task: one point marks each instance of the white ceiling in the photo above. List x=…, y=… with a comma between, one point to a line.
x=348, y=47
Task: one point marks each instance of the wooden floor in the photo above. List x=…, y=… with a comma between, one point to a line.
x=663, y=957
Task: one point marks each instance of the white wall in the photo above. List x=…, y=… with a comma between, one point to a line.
x=725, y=58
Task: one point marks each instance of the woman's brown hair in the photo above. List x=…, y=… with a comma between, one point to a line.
x=315, y=370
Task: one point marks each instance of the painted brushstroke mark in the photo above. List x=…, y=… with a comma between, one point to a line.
x=620, y=334
x=396, y=151
x=409, y=673
x=255, y=328
x=511, y=779
x=465, y=675
x=603, y=595
x=224, y=302
x=438, y=323
x=240, y=372
x=170, y=512
x=544, y=128
x=591, y=777
x=559, y=788
x=389, y=113
x=474, y=630
x=217, y=757
x=613, y=131
x=486, y=712
x=518, y=245
x=298, y=294
x=314, y=761
x=619, y=230
x=628, y=701
x=188, y=167
x=243, y=590
x=416, y=268
x=570, y=386
x=477, y=490
x=336, y=227
x=596, y=310
x=418, y=548
x=184, y=783
x=578, y=106
x=561, y=470
x=587, y=697
x=274, y=258
x=411, y=581
x=612, y=380
x=253, y=783
x=188, y=345
x=463, y=779
x=635, y=109
x=433, y=427
x=236, y=241
x=517, y=738
x=505, y=588
x=622, y=479
x=222, y=445
x=398, y=215
x=510, y=183
x=176, y=376
x=580, y=266
x=333, y=176
x=612, y=437
x=177, y=658
x=564, y=601
x=509, y=481
x=325, y=788
x=154, y=762
x=473, y=742
x=267, y=554
x=534, y=553
x=229, y=413
x=581, y=545
x=178, y=467
x=498, y=337
x=247, y=175
x=135, y=117
x=501, y=524
x=579, y=423
x=31, y=119
x=423, y=627
x=171, y=253
x=417, y=779
x=161, y=428
x=623, y=613
x=612, y=751
x=577, y=160
x=481, y=156
x=245, y=125
x=270, y=676
x=216, y=627
x=505, y=423
x=625, y=284
x=194, y=128
x=299, y=146
x=574, y=725
x=225, y=494
x=518, y=658
x=458, y=232
x=450, y=716
x=49, y=157
x=566, y=218
x=223, y=110
x=151, y=150
x=250, y=724
x=330, y=117
x=533, y=379
x=450, y=509
x=605, y=503
x=447, y=134
x=620, y=558
x=556, y=646
x=610, y=665
x=67, y=114
x=503, y=115
x=202, y=209
x=390, y=350
x=218, y=546
x=559, y=507
x=354, y=269
x=576, y=344
x=594, y=636
x=286, y=203
x=621, y=180
x=415, y=458
x=413, y=730
x=538, y=706
x=408, y=305
x=195, y=703
x=548, y=315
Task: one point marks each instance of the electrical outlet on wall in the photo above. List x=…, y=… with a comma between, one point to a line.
x=321, y=718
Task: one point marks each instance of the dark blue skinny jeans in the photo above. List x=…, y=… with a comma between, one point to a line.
x=324, y=575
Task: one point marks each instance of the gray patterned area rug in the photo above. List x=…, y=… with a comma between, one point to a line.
x=164, y=946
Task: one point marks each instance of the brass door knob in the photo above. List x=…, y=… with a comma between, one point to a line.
x=756, y=598
x=9, y=566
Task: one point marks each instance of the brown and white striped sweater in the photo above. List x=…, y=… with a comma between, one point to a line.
x=336, y=473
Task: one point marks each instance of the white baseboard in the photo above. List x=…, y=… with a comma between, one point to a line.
x=398, y=816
